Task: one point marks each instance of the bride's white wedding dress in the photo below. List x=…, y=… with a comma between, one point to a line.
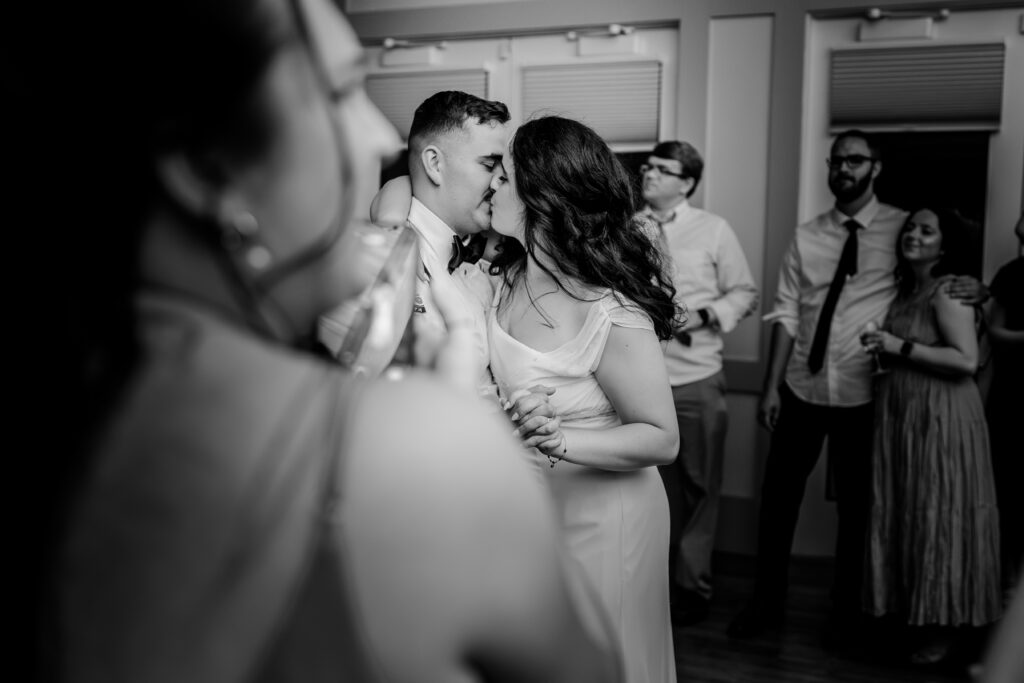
x=615, y=524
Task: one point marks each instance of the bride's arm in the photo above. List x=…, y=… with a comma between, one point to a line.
x=632, y=374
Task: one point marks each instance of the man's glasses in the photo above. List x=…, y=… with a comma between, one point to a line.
x=852, y=161
x=644, y=168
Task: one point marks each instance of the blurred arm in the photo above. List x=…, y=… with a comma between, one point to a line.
x=392, y=202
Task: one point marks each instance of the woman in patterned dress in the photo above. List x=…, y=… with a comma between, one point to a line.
x=933, y=542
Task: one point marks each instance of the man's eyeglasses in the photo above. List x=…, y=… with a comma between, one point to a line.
x=644, y=168
x=852, y=161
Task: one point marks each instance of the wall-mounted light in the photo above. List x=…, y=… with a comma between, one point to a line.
x=616, y=39
x=900, y=24
x=877, y=14
x=398, y=52
x=612, y=31
x=393, y=43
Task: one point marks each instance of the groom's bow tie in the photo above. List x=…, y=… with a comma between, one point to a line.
x=466, y=253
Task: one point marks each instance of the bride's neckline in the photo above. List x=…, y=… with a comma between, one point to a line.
x=583, y=328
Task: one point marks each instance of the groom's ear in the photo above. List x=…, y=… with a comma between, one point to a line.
x=432, y=159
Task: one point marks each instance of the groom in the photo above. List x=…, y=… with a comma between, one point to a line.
x=456, y=142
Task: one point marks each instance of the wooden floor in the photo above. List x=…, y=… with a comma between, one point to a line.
x=795, y=652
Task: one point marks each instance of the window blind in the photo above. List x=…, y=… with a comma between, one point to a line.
x=931, y=87
x=398, y=94
x=619, y=100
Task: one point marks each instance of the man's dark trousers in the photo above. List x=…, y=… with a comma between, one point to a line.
x=796, y=445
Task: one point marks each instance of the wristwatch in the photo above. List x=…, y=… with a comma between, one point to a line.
x=705, y=319
x=906, y=348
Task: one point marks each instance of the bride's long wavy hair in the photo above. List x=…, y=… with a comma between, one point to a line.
x=580, y=212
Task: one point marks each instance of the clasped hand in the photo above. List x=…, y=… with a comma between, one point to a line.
x=537, y=425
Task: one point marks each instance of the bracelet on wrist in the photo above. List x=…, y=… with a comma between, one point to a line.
x=559, y=456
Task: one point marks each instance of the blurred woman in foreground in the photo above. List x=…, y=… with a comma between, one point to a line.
x=242, y=509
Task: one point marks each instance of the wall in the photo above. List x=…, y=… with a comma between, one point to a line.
x=503, y=59
x=751, y=98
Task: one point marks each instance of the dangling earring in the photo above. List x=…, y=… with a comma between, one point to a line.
x=241, y=229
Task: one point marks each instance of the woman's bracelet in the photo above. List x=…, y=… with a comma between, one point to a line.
x=561, y=456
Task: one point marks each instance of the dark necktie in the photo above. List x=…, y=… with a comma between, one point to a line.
x=847, y=267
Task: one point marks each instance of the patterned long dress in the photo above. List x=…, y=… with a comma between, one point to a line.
x=933, y=535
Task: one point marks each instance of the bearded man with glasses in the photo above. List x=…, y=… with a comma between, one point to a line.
x=836, y=279
x=713, y=281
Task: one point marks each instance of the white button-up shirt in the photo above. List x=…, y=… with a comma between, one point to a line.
x=804, y=278
x=435, y=252
x=709, y=270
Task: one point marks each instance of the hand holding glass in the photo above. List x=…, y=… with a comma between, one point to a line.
x=870, y=329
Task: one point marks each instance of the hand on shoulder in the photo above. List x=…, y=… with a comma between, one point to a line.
x=968, y=290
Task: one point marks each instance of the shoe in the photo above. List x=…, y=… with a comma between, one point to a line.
x=690, y=611
x=753, y=620
x=932, y=653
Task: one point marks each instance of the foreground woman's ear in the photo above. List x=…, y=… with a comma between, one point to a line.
x=199, y=186
x=193, y=184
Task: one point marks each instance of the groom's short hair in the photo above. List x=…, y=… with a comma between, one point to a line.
x=448, y=110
